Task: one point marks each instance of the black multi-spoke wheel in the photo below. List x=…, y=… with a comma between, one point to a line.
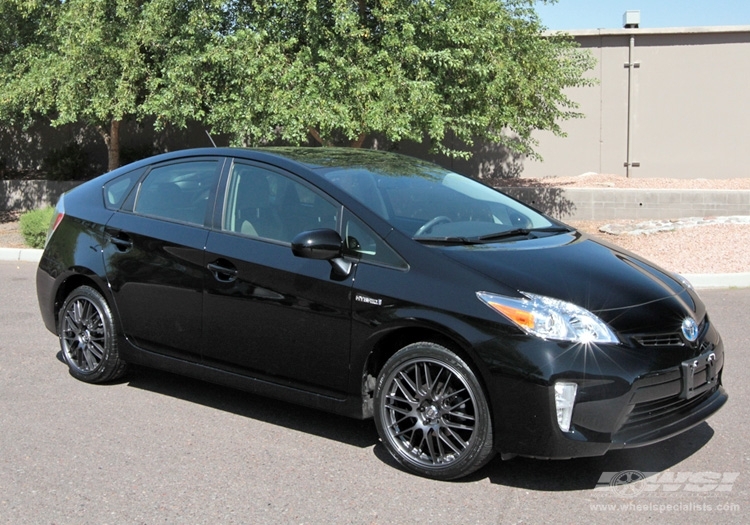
x=87, y=337
x=431, y=412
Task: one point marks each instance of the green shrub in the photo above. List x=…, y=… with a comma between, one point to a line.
x=35, y=224
x=71, y=162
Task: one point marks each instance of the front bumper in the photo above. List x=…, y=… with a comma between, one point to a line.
x=628, y=396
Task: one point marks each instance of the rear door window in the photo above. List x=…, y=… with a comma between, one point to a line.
x=179, y=191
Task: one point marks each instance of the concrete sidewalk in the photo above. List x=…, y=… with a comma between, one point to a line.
x=699, y=281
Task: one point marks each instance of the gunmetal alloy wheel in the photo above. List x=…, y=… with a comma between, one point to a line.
x=431, y=413
x=87, y=337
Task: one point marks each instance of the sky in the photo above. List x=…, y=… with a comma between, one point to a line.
x=607, y=14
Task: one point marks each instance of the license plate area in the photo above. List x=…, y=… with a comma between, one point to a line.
x=699, y=374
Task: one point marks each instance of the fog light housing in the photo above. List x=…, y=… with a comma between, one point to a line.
x=565, y=398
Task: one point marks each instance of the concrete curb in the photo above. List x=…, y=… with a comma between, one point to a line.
x=20, y=254
x=698, y=280
x=704, y=281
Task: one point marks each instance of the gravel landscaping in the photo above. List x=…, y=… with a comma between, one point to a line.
x=697, y=245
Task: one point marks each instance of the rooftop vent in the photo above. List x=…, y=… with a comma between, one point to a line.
x=631, y=19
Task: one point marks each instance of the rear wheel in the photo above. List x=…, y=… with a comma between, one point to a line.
x=432, y=414
x=88, y=337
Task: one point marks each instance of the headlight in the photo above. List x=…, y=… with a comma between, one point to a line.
x=550, y=318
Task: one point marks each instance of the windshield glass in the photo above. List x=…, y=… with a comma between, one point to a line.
x=428, y=202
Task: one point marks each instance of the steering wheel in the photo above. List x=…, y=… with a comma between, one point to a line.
x=429, y=224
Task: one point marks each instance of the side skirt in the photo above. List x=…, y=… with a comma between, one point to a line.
x=350, y=406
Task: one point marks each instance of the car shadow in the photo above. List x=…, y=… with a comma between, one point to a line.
x=361, y=434
x=525, y=473
x=581, y=473
x=586, y=473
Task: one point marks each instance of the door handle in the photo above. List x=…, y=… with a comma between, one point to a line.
x=224, y=272
x=121, y=241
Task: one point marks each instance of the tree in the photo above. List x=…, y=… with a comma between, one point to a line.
x=340, y=70
x=288, y=70
x=79, y=67
x=89, y=61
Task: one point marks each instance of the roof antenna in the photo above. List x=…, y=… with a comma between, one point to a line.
x=209, y=138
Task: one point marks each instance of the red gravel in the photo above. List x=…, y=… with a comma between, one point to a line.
x=703, y=249
x=717, y=248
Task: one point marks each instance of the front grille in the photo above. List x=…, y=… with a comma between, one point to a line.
x=669, y=338
x=663, y=401
x=645, y=415
x=659, y=340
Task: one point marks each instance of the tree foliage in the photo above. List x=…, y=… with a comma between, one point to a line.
x=81, y=63
x=403, y=69
x=288, y=70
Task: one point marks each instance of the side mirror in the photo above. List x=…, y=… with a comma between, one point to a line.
x=323, y=244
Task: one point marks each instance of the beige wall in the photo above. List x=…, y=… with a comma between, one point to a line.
x=690, y=107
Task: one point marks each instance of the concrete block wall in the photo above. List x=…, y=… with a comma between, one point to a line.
x=567, y=204
x=613, y=204
x=23, y=195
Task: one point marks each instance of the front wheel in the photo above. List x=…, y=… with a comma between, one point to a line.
x=87, y=337
x=432, y=414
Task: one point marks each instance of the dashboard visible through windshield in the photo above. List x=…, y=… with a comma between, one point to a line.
x=431, y=205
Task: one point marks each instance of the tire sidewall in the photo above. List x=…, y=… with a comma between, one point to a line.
x=480, y=450
x=109, y=364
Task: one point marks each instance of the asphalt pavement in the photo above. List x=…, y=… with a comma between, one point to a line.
x=159, y=448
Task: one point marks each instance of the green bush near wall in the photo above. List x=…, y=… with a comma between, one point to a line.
x=34, y=226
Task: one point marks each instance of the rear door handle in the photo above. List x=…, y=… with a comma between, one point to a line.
x=223, y=271
x=121, y=240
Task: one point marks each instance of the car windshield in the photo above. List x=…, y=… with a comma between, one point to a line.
x=433, y=204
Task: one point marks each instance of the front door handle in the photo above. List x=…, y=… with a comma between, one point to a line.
x=223, y=271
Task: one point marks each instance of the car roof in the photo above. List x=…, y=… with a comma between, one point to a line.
x=313, y=158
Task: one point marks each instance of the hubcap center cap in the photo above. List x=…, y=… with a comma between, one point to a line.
x=430, y=412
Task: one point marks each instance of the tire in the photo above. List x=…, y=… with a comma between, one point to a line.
x=88, y=337
x=432, y=414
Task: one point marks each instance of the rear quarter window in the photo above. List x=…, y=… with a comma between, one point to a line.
x=118, y=189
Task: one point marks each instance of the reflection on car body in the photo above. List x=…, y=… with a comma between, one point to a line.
x=375, y=285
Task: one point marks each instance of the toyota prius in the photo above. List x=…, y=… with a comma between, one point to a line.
x=380, y=286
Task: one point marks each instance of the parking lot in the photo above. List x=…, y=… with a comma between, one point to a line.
x=159, y=448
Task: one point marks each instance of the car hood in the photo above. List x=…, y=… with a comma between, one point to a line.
x=629, y=293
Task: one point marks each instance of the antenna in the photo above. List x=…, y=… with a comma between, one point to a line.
x=209, y=138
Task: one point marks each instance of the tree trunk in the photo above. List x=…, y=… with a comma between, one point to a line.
x=112, y=140
x=360, y=140
x=316, y=136
x=357, y=143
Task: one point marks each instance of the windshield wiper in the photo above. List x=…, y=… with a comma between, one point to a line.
x=517, y=232
x=447, y=240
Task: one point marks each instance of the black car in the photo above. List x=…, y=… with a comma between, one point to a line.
x=376, y=285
